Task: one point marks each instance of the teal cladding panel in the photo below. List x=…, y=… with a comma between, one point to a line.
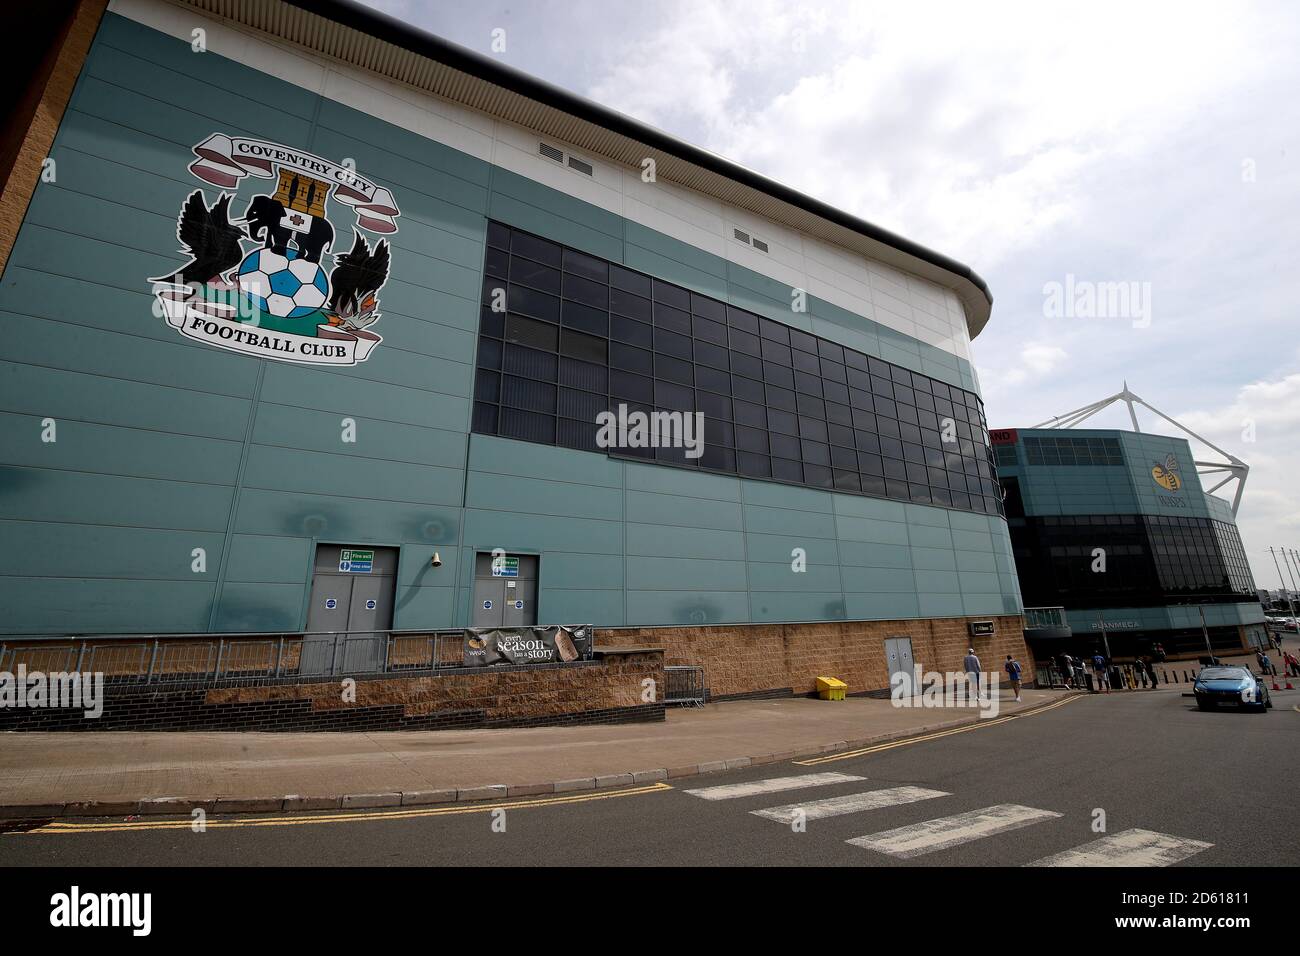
x=163, y=445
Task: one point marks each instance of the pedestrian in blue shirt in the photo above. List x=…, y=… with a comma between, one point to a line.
x=1101, y=669
x=1265, y=664
x=1013, y=672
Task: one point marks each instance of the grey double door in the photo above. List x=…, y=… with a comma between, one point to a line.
x=507, y=598
x=898, y=657
x=352, y=607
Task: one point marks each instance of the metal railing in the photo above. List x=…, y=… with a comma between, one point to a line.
x=208, y=659
x=1040, y=617
x=1051, y=675
x=685, y=685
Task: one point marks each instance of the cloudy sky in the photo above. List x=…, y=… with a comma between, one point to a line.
x=1150, y=144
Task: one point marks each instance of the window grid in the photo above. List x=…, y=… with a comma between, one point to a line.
x=1151, y=560
x=581, y=335
x=1069, y=450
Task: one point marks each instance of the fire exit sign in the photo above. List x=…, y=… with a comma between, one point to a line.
x=356, y=562
x=505, y=568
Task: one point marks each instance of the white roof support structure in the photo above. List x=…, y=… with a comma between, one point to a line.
x=1234, y=467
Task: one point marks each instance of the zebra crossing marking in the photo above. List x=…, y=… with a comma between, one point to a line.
x=731, y=791
x=1128, y=848
x=944, y=832
x=850, y=803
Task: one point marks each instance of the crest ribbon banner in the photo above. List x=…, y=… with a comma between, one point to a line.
x=214, y=324
x=223, y=161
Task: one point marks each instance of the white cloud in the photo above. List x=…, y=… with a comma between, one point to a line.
x=1260, y=426
x=1034, y=361
x=1267, y=406
x=962, y=126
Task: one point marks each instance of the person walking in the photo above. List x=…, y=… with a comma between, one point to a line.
x=971, y=663
x=1151, y=673
x=1013, y=673
x=1265, y=665
x=1292, y=664
x=1160, y=653
x=1067, y=669
x=1099, y=668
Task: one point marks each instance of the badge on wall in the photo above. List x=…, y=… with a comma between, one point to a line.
x=266, y=275
x=1166, y=475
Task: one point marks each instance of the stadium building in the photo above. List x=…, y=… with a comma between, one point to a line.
x=1115, y=528
x=309, y=315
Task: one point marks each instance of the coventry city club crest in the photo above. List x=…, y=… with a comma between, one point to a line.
x=259, y=279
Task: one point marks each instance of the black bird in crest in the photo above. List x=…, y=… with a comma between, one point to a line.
x=356, y=278
x=210, y=239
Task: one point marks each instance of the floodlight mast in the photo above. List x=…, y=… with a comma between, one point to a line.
x=1234, y=466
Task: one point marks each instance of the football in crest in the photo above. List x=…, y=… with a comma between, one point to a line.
x=282, y=284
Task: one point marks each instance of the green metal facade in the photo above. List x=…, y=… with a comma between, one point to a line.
x=165, y=445
x=1124, y=489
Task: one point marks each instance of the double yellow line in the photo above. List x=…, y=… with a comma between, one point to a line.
x=376, y=816
x=121, y=826
x=979, y=725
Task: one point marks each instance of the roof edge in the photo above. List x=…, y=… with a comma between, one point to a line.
x=381, y=26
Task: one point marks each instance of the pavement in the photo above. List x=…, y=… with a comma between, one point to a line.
x=1126, y=779
x=46, y=775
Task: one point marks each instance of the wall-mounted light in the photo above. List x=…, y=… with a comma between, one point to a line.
x=436, y=562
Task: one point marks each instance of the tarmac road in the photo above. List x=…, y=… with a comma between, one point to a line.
x=1176, y=786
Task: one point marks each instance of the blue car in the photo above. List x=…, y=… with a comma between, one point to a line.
x=1230, y=685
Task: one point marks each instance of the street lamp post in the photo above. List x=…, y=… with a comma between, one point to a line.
x=1105, y=643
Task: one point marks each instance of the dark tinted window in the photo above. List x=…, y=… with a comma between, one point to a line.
x=580, y=336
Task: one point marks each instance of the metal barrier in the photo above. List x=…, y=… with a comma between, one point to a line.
x=213, y=659
x=685, y=685
x=1051, y=676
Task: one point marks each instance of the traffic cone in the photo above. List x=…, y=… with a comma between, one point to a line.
x=1275, y=687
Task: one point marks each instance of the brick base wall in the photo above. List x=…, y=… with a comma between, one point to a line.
x=750, y=659
x=606, y=690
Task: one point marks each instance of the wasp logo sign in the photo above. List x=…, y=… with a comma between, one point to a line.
x=1166, y=475
x=261, y=282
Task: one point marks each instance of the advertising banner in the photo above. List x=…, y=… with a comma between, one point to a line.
x=485, y=646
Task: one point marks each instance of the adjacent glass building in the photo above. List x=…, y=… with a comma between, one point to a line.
x=1115, y=527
